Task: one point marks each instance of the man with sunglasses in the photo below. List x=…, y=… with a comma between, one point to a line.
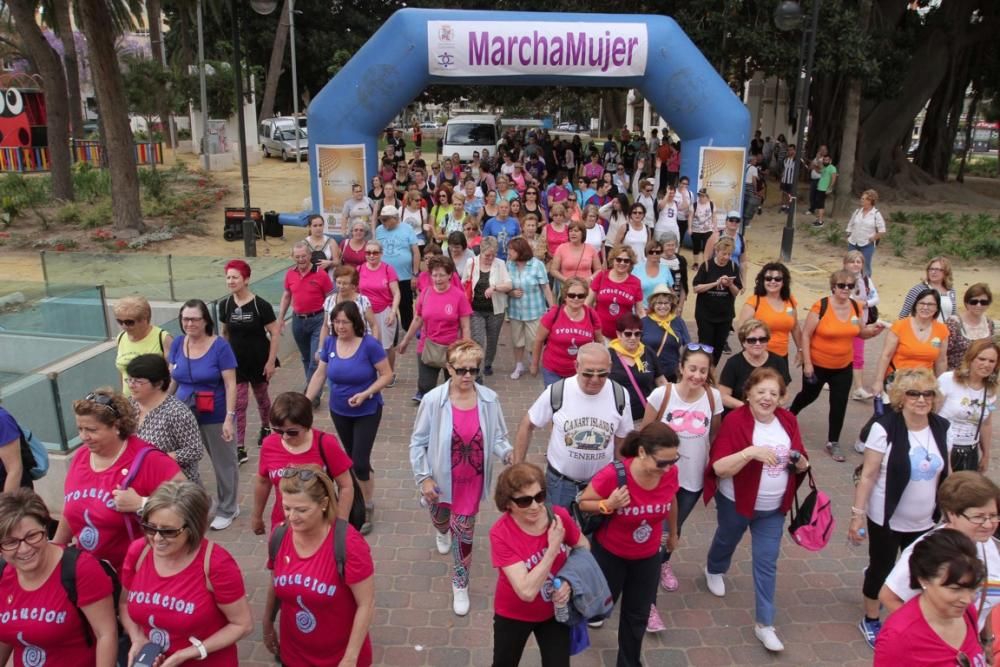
x=590, y=417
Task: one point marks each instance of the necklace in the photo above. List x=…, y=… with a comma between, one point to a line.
x=926, y=444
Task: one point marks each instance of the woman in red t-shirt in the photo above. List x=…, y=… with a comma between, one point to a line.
x=178, y=589
x=563, y=330
x=327, y=608
x=616, y=291
x=38, y=623
x=352, y=249
x=294, y=442
x=939, y=626
x=627, y=545
x=103, y=490
x=529, y=546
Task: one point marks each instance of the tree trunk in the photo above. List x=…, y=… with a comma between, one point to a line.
x=937, y=136
x=153, y=17
x=848, y=165
x=119, y=146
x=615, y=100
x=64, y=28
x=970, y=121
x=274, y=68
x=46, y=61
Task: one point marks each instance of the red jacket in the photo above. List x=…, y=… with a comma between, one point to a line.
x=736, y=434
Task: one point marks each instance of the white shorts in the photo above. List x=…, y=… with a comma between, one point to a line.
x=387, y=334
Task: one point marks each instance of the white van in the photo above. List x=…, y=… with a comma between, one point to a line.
x=467, y=134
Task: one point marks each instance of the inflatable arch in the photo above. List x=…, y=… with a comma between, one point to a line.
x=417, y=47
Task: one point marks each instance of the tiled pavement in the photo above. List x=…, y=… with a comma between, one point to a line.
x=819, y=594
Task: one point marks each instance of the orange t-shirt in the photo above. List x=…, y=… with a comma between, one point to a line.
x=780, y=322
x=832, y=344
x=913, y=352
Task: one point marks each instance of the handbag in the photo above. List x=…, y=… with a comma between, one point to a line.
x=434, y=354
x=200, y=402
x=631, y=377
x=966, y=457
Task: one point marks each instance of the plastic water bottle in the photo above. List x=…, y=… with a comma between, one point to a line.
x=562, y=610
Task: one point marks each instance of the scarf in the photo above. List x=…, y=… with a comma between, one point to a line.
x=636, y=356
x=664, y=322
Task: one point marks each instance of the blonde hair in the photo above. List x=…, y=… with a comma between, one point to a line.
x=749, y=326
x=464, y=348
x=619, y=249
x=136, y=307
x=907, y=379
x=945, y=269
x=318, y=489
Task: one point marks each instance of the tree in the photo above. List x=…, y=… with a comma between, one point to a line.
x=274, y=68
x=63, y=26
x=95, y=18
x=153, y=18
x=150, y=88
x=46, y=61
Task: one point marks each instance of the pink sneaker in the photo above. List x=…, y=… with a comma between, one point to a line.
x=655, y=623
x=667, y=579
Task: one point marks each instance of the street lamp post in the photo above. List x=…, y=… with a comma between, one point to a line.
x=249, y=228
x=295, y=81
x=788, y=16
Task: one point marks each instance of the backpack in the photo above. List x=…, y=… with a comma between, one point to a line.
x=812, y=522
x=824, y=303
x=589, y=523
x=556, y=396
x=339, y=544
x=34, y=455
x=357, y=516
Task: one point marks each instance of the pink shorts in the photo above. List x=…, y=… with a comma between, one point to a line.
x=859, y=353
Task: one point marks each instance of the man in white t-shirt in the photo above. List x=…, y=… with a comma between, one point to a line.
x=588, y=426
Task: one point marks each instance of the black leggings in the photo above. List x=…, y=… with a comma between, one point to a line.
x=698, y=241
x=358, y=437
x=510, y=636
x=405, y=306
x=715, y=334
x=884, y=545
x=635, y=582
x=839, y=380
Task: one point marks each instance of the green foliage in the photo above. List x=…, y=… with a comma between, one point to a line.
x=968, y=236
x=18, y=192
x=896, y=237
x=149, y=87
x=220, y=88
x=99, y=215
x=69, y=214
x=153, y=183
x=90, y=183
x=983, y=166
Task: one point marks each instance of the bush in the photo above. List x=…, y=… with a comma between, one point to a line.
x=68, y=214
x=98, y=216
x=153, y=183
x=90, y=183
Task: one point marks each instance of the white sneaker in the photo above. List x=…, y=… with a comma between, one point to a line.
x=859, y=447
x=768, y=637
x=460, y=600
x=716, y=584
x=223, y=522
x=518, y=372
x=443, y=542
x=862, y=394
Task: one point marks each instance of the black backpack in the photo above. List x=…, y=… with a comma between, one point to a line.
x=357, y=516
x=589, y=523
x=339, y=544
x=556, y=396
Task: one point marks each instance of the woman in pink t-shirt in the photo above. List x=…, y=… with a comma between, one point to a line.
x=529, y=546
x=575, y=259
x=178, y=589
x=562, y=331
x=32, y=579
x=378, y=281
x=616, y=291
x=627, y=545
x=326, y=606
x=557, y=231
x=352, y=249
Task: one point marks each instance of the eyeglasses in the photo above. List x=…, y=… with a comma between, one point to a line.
x=622, y=260
x=594, y=374
x=373, y=253
x=774, y=279
x=290, y=432
x=473, y=370
x=165, y=533
x=844, y=285
x=32, y=539
x=192, y=320
x=655, y=252
x=935, y=268
x=629, y=334
x=914, y=393
x=103, y=400
x=757, y=340
x=978, y=302
x=524, y=502
x=576, y=295
x=982, y=519
x=696, y=347
x=664, y=463
x=926, y=304
x=134, y=382
x=304, y=474
x=125, y=323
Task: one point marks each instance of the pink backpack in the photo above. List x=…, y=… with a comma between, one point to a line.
x=812, y=522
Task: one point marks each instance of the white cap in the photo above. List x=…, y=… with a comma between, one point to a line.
x=734, y=214
x=389, y=211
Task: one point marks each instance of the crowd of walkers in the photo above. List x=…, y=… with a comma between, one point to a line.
x=577, y=257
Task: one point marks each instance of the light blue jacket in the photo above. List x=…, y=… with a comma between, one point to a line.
x=430, y=444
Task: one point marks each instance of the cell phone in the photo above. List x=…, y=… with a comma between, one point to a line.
x=148, y=655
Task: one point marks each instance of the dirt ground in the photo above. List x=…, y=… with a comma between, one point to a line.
x=283, y=187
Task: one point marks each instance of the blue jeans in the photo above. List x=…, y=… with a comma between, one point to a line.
x=305, y=331
x=765, y=533
x=548, y=377
x=868, y=251
x=558, y=491
x=686, y=501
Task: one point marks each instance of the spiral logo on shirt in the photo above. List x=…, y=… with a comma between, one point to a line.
x=89, y=536
x=614, y=308
x=572, y=349
x=642, y=533
x=158, y=635
x=305, y=621
x=547, y=589
x=33, y=656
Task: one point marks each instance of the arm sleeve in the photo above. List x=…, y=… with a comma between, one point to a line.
x=226, y=576
x=266, y=311
x=359, y=565
x=540, y=412
x=727, y=378
x=93, y=582
x=909, y=300
x=605, y=481
x=501, y=552
x=224, y=355
x=187, y=438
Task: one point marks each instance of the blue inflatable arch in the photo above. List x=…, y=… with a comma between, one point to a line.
x=417, y=47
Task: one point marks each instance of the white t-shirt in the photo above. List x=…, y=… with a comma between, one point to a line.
x=962, y=407
x=667, y=221
x=583, y=430
x=752, y=173
x=595, y=238
x=916, y=505
x=898, y=580
x=691, y=422
x=636, y=239
x=364, y=305
x=773, y=479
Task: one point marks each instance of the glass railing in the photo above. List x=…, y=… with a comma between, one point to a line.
x=74, y=312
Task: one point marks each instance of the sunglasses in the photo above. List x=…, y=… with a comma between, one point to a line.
x=576, y=295
x=774, y=279
x=474, y=370
x=290, y=432
x=372, y=253
x=664, y=463
x=622, y=260
x=844, y=285
x=104, y=400
x=913, y=393
x=302, y=473
x=594, y=374
x=32, y=539
x=125, y=323
x=971, y=302
x=166, y=533
x=655, y=252
x=524, y=502
x=757, y=340
x=700, y=347
x=629, y=334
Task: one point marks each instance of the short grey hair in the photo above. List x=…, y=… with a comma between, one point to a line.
x=667, y=237
x=377, y=244
x=300, y=245
x=488, y=244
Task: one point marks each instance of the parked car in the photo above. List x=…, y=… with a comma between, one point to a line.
x=277, y=137
x=430, y=125
x=570, y=127
x=473, y=133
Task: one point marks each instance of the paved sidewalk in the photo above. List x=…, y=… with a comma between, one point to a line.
x=819, y=594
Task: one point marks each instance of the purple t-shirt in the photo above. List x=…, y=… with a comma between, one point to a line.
x=202, y=374
x=349, y=375
x=8, y=429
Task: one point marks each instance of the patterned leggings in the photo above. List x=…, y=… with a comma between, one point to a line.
x=243, y=399
x=461, y=527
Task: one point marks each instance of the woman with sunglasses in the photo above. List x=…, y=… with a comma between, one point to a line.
x=864, y=293
x=754, y=337
x=717, y=282
x=917, y=341
x=180, y=590
x=529, y=544
x=458, y=431
x=352, y=249
x=938, y=626
x=326, y=608
x=971, y=325
x=379, y=283
x=895, y=500
x=294, y=442
x=139, y=335
x=100, y=507
x=664, y=331
x=827, y=348
x=31, y=579
x=203, y=375
x=633, y=365
x=627, y=545
x=773, y=304
x=753, y=476
x=970, y=398
x=938, y=278
x=563, y=330
x=616, y=291
x=653, y=272
x=442, y=211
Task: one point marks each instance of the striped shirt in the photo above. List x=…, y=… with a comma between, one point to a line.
x=531, y=278
x=788, y=173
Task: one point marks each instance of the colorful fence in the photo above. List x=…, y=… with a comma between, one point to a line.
x=32, y=159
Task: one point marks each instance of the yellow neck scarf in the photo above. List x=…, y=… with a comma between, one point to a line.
x=636, y=356
x=664, y=322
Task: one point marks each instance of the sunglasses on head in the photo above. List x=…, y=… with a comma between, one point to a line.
x=302, y=473
x=914, y=393
x=700, y=347
x=844, y=285
x=473, y=370
x=104, y=400
x=166, y=533
x=524, y=502
x=125, y=323
x=290, y=432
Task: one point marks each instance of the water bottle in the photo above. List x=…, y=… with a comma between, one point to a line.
x=562, y=610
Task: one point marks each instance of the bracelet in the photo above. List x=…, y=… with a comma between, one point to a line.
x=603, y=507
x=743, y=453
x=231, y=413
x=856, y=512
x=202, y=651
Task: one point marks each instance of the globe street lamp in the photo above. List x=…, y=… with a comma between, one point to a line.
x=787, y=17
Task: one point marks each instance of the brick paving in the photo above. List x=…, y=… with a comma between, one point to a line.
x=818, y=598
